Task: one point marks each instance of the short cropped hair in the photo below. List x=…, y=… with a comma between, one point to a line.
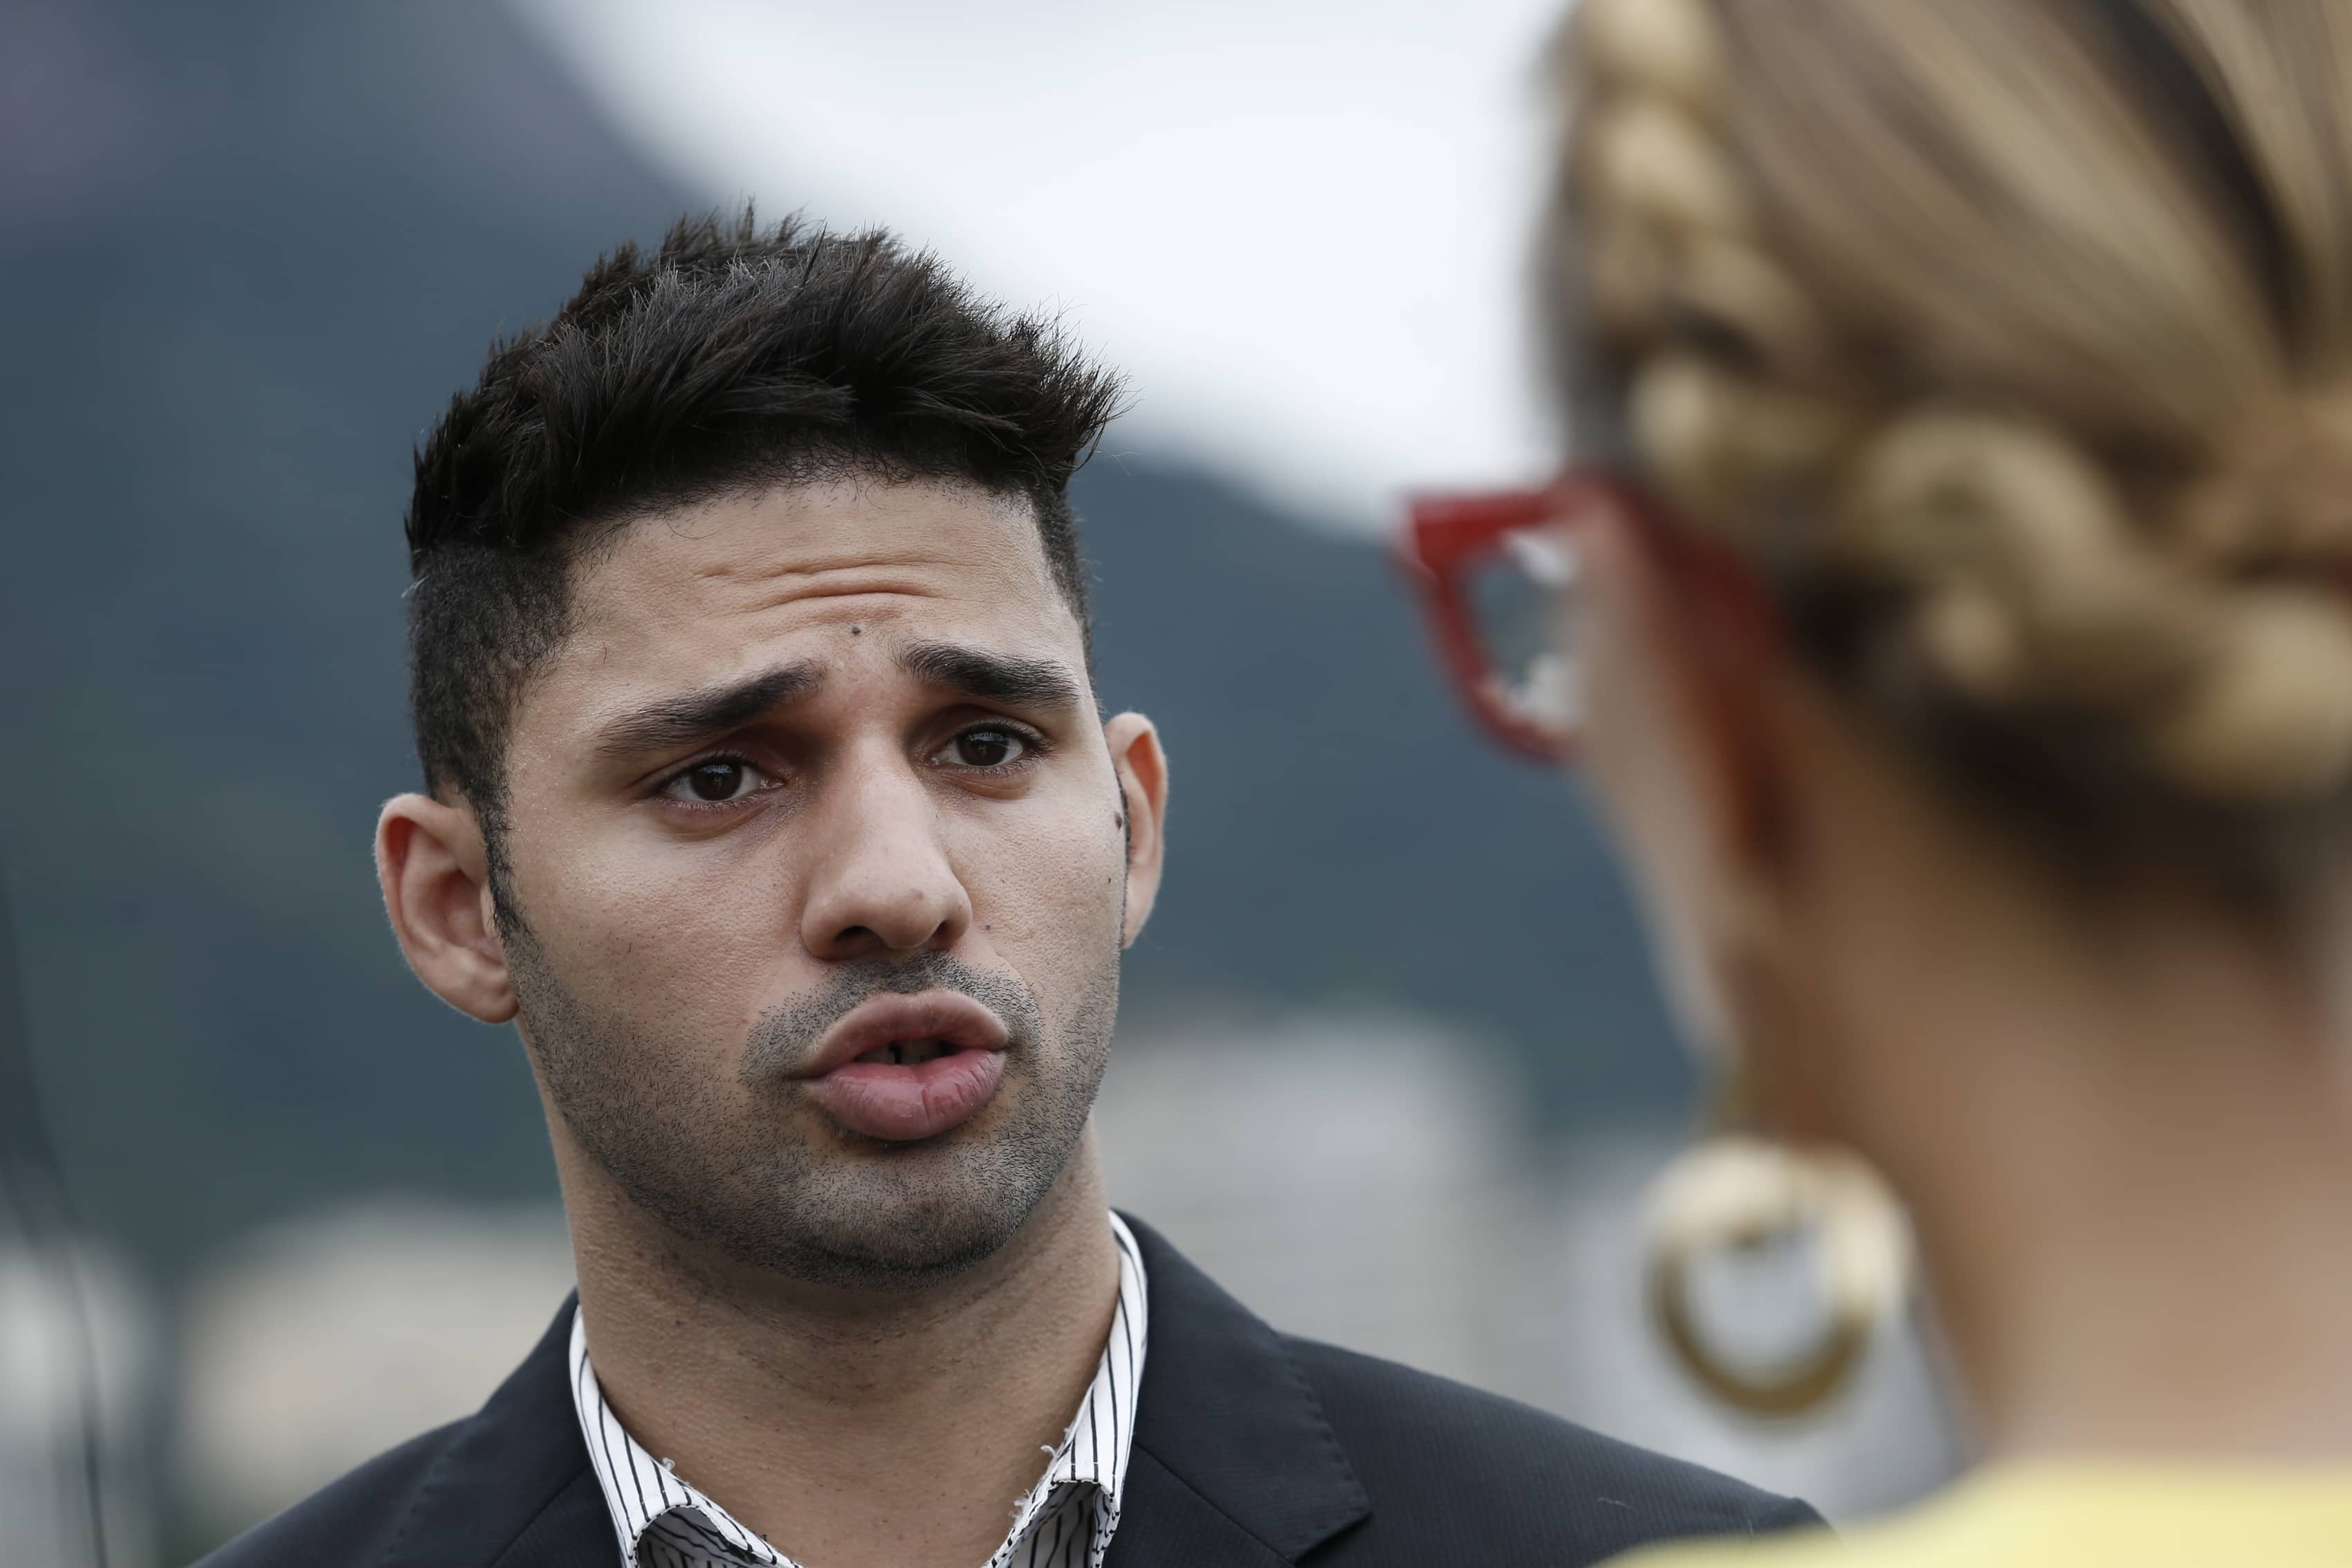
x=733, y=357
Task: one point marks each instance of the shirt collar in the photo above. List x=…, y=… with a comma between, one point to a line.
x=641, y=1492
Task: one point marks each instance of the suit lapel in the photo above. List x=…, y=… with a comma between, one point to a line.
x=513, y=1488
x=1234, y=1461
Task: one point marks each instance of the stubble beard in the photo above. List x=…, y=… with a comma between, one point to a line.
x=745, y=1165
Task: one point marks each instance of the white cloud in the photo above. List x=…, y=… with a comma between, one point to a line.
x=1300, y=224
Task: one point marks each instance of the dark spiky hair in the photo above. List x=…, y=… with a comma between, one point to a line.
x=731, y=357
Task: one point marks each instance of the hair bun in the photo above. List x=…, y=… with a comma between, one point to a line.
x=2031, y=583
x=2172, y=628
x=1651, y=157
x=2280, y=491
x=1669, y=46
x=2269, y=720
x=1715, y=440
x=2034, y=585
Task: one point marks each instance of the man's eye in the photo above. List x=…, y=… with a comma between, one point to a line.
x=718, y=780
x=987, y=746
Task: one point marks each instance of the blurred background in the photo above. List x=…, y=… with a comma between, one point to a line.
x=249, y=249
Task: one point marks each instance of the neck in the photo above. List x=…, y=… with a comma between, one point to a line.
x=850, y=1428
x=2133, y=1209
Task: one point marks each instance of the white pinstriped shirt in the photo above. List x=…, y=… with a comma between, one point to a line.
x=1067, y=1520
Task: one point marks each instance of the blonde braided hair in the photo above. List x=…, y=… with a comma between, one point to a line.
x=2073, y=515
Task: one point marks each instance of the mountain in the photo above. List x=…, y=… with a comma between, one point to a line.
x=250, y=248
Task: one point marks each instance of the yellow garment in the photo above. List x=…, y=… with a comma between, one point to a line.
x=2080, y=1516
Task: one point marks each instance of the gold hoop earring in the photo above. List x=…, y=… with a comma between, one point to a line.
x=1739, y=1193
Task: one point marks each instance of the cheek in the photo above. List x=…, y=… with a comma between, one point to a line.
x=1047, y=882
x=1621, y=751
x=1646, y=797
x=650, y=935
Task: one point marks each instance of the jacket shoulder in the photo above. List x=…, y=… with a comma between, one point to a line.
x=1457, y=1474
x=356, y=1519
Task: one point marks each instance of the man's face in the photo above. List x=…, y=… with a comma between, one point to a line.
x=816, y=875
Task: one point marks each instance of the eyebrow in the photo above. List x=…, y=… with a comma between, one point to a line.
x=990, y=677
x=681, y=721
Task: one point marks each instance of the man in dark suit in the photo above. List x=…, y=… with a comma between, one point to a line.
x=766, y=794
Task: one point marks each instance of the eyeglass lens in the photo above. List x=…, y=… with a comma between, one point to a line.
x=1523, y=599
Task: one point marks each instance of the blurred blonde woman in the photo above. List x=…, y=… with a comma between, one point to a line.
x=1957, y=599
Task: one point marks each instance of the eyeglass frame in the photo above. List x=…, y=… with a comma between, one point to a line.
x=1449, y=535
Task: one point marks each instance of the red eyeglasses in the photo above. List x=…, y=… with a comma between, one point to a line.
x=1499, y=576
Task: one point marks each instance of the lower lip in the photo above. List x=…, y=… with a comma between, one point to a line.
x=902, y=1102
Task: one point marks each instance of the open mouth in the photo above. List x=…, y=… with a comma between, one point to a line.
x=905, y=1067
x=908, y=1052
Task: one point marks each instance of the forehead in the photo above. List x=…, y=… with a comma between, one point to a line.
x=686, y=595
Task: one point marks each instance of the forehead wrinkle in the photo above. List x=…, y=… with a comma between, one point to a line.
x=892, y=574
x=669, y=598
x=758, y=552
x=742, y=589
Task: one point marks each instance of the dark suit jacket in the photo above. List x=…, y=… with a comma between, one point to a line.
x=1251, y=1449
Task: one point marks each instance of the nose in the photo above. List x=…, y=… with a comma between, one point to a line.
x=883, y=882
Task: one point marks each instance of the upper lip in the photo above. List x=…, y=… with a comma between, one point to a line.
x=948, y=1016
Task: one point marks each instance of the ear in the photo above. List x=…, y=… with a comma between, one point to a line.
x=1686, y=690
x=434, y=867
x=1686, y=666
x=1143, y=769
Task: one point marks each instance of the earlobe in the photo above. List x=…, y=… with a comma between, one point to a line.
x=434, y=867
x=1142, y=768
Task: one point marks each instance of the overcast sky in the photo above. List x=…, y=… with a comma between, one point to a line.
x=1300, y=224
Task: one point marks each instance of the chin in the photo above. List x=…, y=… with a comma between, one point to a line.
x=880, y=1215
x=901, y=1245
